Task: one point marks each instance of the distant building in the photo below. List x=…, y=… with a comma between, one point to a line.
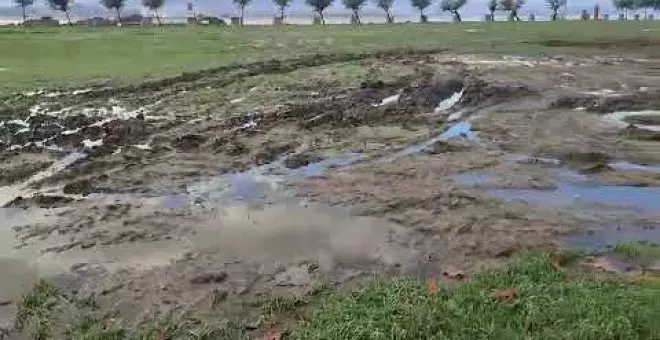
x=207, y=20
x=46, y=21
x=135, y=20
x=96, y=22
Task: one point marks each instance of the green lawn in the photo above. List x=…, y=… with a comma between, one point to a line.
x=79, y=56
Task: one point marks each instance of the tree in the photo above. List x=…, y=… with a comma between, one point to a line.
x=24, y=5
x=154, y=5
x=117, y=5
x=624, y=5
x=62, y=6
x=242, y=4
x=421, y=5
x=281, y=5
x=319, y=6
x=512, y=6
x=355, y=6
x=452, y=6
x=555, y=5
x=492, y=7
x=646, y=5
x=386, y=5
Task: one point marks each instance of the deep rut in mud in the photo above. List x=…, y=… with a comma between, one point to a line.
x=192, y=195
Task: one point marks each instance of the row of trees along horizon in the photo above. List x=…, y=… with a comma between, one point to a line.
x=319, y=6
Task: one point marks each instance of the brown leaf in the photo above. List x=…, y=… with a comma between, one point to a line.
x=432, y=286
x=555, y=262
x=158, y=334
x=504, y=295
x=273, y=334
x=453, y=273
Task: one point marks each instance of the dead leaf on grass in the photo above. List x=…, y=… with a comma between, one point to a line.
x=432, y=286
x=158, y=334
x=273, y=334
x=556, y=262
x=504, y=295
x=453, y=273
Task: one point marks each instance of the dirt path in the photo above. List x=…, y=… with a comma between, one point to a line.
x=197, y=195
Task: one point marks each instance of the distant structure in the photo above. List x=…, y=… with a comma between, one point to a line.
x=46, y=21
x=96, y=22
x=192, y=18
x=209, y=20
x=596, y=12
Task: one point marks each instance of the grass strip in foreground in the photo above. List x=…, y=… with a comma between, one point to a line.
x=528, y=300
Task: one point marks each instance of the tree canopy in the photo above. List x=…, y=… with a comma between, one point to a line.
x=319, y=6
x=153, y=4
x=421, y=5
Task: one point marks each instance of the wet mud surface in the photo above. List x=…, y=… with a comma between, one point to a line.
x=193, y=195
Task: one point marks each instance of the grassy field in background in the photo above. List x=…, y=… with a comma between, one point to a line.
x=77, y=56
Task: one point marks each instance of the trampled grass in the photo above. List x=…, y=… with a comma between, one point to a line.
x=48, y=57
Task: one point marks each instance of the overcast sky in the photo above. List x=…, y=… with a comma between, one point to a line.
x=474, y=8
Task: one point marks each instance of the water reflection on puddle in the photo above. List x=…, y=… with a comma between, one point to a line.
x=259, y=183
x=603, y=239
x=640, y=198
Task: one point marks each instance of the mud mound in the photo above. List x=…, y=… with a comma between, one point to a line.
x=403, y=100
x=607, y=104
x=640, y=134
x=483, y=92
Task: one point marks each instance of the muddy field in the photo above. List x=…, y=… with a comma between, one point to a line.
x=201, y=194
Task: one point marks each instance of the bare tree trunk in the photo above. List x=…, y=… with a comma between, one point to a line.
x=357, y=16
x=554, y=15
x=242, y=13
x=282, y=13
x=389, y=17
x=24, y=16
x=492, y=15
x=457, y=16
x=118, y=15
x=157, y=17
x=322, y=17
x=68, y=16
x=421, y=15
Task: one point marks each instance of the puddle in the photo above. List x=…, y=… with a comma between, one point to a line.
x=460, y=129
x=621, y=119
x=261, y=182
x=572, y=188
x=449, y=102
x=388, y=100
x=645, y=199
x=625, y=166
x=604, y=239
x=476, y=178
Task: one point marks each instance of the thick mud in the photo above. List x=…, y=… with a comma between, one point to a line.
x=192, y=195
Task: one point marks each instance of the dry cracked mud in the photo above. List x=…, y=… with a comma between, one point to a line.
x=209, y=193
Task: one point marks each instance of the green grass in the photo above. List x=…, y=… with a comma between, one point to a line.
x=35, y=312
x=637, y=251
x=80, y=56
x=548, y=306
